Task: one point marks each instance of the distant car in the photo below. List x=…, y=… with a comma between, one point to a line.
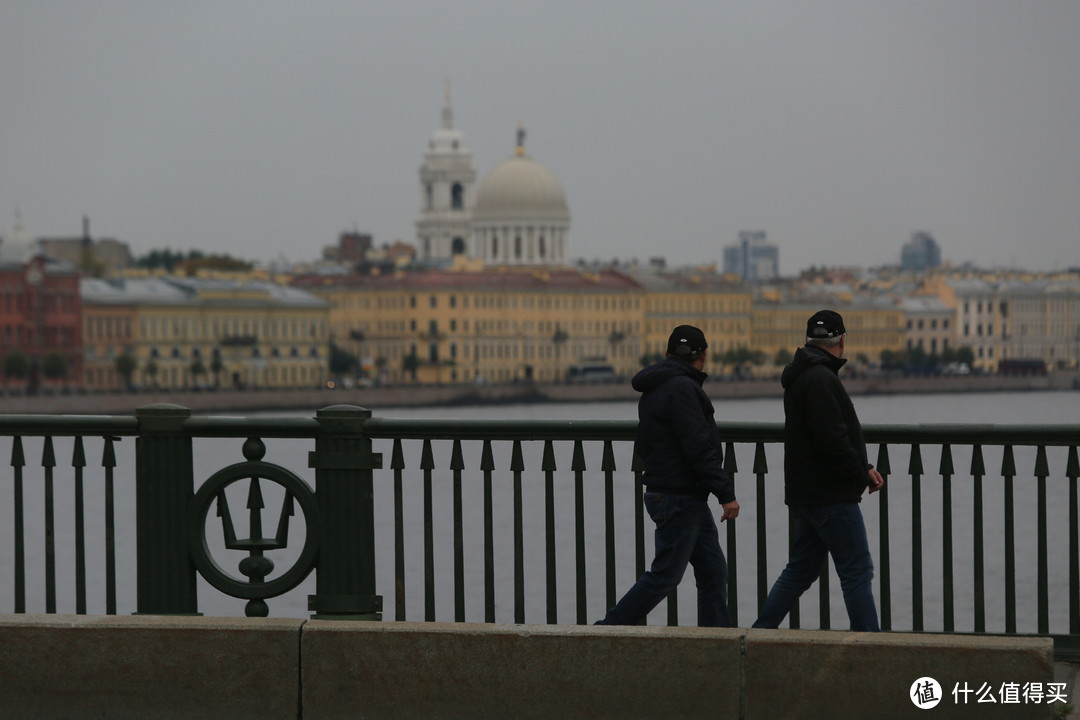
x=590, y=373
x=956, y=368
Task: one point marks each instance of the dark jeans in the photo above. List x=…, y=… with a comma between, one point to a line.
x=685, y=533
x=819, y=531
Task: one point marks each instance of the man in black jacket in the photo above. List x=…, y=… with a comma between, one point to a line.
x=825, y=474
x=681, y=450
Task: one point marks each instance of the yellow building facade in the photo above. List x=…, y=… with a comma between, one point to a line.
x=108, y=333
x=506, y=324
x=497, y=325
x=872, y=329
x=185, y=333
x=721, y=309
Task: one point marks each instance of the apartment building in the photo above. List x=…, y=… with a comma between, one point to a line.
x=195, y=332
x=721, y=308
x=1043, y=322
x=500, y=324
x=40, y=313
x=874, y=325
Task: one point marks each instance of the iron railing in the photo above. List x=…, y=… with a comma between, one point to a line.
x=515, y=521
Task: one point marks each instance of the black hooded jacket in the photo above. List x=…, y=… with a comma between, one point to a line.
x=677, y=439
x=824, y=451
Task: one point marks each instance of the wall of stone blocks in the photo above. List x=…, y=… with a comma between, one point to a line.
x=55, y=666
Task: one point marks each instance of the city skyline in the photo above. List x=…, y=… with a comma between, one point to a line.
x=838, y=127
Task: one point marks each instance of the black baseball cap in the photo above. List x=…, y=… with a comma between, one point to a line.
x=825, y=324
x=686, y=341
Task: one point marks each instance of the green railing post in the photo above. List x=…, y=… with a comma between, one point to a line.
x=343, y=461
x=731, y=466
x=164, y=488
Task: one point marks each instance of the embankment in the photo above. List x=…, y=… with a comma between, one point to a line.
x=224, y=401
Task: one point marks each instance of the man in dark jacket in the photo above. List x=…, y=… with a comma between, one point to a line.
x=825, y=474
x=681, y=450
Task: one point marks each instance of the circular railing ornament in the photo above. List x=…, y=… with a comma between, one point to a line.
x=256, y=566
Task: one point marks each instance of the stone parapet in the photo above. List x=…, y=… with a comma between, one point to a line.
x=141, y=666
x=194, y=667
x=452, y=670
x=806, y=675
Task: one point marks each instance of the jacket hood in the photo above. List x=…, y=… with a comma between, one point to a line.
x=664, y=370
x=807, y=357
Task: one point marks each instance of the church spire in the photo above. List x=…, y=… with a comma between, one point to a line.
x=447, y=110
x=520, y=149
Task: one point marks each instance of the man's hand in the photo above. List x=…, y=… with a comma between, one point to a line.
x=731, y=510
x=876, y=481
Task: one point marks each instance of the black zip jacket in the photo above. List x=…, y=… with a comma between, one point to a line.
x=824, y=451
x=677, y=439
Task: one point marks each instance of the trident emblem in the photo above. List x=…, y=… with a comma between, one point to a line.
x=256, y=566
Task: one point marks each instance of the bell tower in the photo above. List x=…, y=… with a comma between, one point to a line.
x=447, y=193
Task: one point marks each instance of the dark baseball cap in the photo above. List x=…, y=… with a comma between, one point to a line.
x=686, y=341
x=825, y=324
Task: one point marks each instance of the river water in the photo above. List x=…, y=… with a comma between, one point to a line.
x=211, y=455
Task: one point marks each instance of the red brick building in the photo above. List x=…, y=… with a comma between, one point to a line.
x=41, y=321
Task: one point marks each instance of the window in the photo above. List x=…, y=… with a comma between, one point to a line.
x=457, y=196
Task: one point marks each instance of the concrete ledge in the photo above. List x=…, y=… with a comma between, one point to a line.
x=808, y=675
x=55, y=666
x=457, y=670
x=138, y=667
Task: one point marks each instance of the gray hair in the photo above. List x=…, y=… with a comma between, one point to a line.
x=826, y=342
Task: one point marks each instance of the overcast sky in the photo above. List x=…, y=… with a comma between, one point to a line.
x=265, y=128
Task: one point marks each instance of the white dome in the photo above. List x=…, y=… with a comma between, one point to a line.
x=520, y=189
x=19, y=246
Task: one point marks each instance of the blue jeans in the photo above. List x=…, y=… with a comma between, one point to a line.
x=821, y=530
x=685, y=533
